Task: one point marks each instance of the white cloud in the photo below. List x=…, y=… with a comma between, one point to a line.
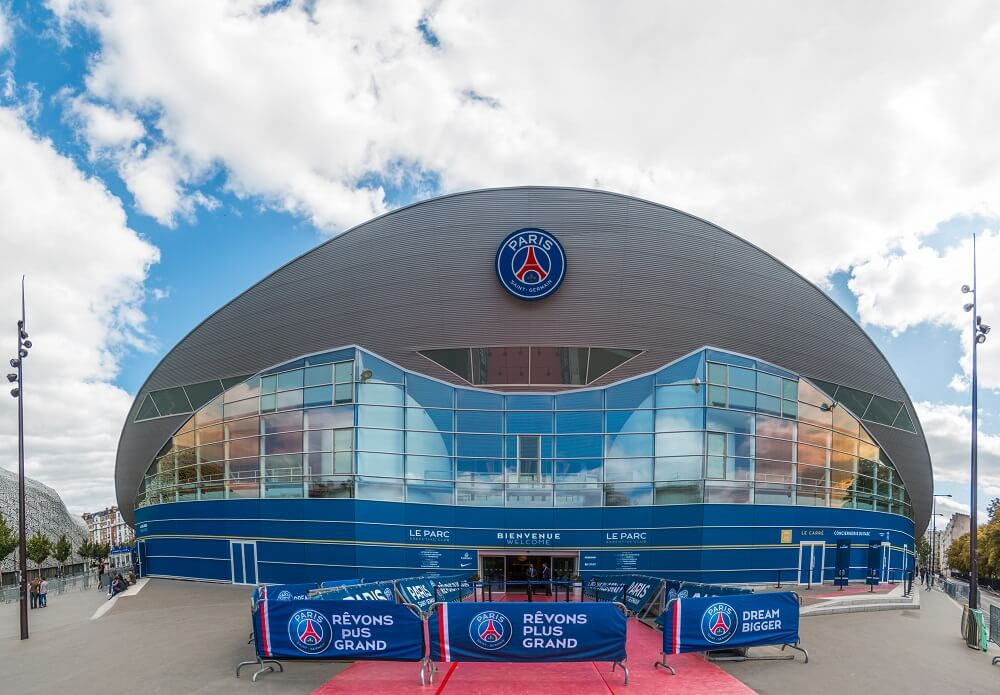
x=85, y=272
x=920, y=284
x=826, y=133
x=106, y=128
x=948, y=430
x=6, y=33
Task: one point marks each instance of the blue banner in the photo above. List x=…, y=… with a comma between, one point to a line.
x=324, y=630
x=417, y=590
x=873, y=575
x=607, y=587
x=285, y=592
x=842, y=569
x=372, y=591
x=638, y=592
x=453, y=588
x=704, y=624
x=340, y=582
x=527, y=632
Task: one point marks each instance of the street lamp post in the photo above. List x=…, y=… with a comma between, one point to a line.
x=934, y=554
x=23, y=345
x=979, y=331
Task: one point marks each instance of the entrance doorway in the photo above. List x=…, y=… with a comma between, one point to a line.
x=514, y=568
x=812, y=555
x=243, y=561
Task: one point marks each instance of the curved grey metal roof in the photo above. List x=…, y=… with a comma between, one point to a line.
x=641, y=275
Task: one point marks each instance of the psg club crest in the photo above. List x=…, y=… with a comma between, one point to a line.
x=284, y=595
x=531, y=264
x=309, y=631
x=490, y=630
x=719, y=623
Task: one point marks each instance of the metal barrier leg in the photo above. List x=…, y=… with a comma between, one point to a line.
x=264, y=667
x=796, y=647
x=624, y=668
x=663, y=662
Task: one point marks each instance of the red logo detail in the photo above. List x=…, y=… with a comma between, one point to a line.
x=719, y=627
x=490, y=634
x=309, y=634
x=530, y=265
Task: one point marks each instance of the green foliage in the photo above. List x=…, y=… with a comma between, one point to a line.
x=39, y=547
x=923, y=552
x=86, y=550
x=62, y=549
x=8, y=539
x=993, y=509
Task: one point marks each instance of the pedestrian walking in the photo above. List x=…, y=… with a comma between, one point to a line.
x=100, y=576
x=547, y=578
x=33, y=591
x=43, y=593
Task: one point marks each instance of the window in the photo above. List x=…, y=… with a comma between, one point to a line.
x=529, y=457
x=524, y=364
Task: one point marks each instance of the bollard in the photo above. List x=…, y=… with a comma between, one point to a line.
x=779, y=578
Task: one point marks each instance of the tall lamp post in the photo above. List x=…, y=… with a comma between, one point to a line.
x=23, y=345
x=979, y=331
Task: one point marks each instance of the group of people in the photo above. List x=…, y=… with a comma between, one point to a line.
x=116, y=584
x=39, y=590
x=546, y=577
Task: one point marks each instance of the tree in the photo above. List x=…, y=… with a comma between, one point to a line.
x=923, y=552
x=958, y=554
x=993, y=509
x=62, y=550
x=39, y=547
x=8, y=541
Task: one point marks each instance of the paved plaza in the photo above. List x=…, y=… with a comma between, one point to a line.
x=186, y=637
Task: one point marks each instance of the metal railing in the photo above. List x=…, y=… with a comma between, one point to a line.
x=57, y=585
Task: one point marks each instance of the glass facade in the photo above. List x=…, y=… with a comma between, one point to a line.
x=713, y=427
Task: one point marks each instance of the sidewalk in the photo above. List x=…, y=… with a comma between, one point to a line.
x=905, y=651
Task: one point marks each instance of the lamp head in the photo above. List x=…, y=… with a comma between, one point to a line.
x=15, y=392
x=981, y=338
x=12, y=378
x=968, y=307
x=966, y=289
x=27, y=344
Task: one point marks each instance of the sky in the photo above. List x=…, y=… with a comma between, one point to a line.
x=158, y=158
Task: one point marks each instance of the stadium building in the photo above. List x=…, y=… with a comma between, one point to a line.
x=503, y=378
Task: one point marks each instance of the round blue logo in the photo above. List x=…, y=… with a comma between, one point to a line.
x=490, y=630
x=719, y=623
x=309, y=631
x=531, y=264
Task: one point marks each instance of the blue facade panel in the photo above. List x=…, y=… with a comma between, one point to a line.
x=313, y=540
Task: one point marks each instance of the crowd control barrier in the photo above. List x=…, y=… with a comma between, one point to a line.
x=528, y=632
x=731, y=622
x=995, y=629
x=370, y=591
x=310, y=629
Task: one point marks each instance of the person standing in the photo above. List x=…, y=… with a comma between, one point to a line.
x=33, y=590
x=100, y=575
x=43, y=593
x=532, y=575
x=547, y=578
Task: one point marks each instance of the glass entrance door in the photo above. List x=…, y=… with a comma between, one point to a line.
x=514, y=568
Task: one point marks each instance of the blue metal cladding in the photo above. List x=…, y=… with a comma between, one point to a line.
x=312, y=540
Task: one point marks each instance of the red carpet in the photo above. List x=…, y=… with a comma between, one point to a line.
x=694, y=675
